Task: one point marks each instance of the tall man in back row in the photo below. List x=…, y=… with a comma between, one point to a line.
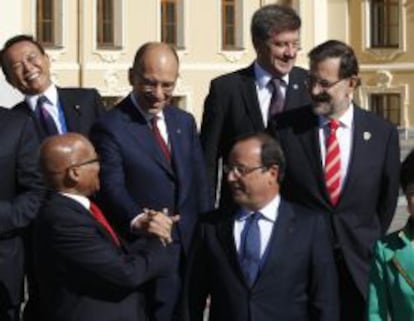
x=343, y=161
x=151, y=158
x=242, y=102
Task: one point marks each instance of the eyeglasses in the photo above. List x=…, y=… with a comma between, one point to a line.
x=323, y=83
x=240, y=170
x=90, y=161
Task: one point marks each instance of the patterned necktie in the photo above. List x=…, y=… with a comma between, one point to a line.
x=97, y=213
x=250, y=248
x=333, y=164
x=277, y=101
x=160, y=140
x=45, y=119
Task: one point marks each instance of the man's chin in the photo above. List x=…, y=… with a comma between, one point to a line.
x=321, y=109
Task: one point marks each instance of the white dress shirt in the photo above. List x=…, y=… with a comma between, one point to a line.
x=344, y=136
x=51, y=105
x=266, y=223
x=265, y=90
x=82, y=200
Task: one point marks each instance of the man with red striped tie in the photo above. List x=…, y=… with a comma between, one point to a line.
x=343, y=161
x=85, y=272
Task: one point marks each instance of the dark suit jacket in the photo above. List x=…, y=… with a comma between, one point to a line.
x=81, y=107
x=232, y=109
x=83, y=274
x=136, y=175
x=297, y=280
x=21, y=193
x=369, y=195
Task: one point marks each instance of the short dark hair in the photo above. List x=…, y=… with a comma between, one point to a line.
x=407, y=171
x=137, y=65
x=12, y=41
x=273, y=18
x=271, y=152
x=336, y=49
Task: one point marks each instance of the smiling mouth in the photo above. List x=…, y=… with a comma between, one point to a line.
x=32, y=76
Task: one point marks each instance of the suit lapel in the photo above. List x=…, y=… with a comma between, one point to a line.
x=178, y=153
x=226, y=238
x=251, y=102
x=138, y=127
x=71, y=109
x=309, y=139
x=295, y=90
x=283, y=231
x=358, y=151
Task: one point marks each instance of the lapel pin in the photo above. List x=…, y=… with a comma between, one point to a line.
x=178, y=131
x=367, y=135
x=77, y=108
x=295, y=86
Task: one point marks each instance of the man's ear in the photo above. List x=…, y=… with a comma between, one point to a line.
x=354, y=82
x=73, y=175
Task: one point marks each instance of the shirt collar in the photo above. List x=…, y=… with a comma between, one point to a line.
x=83, y=200
x=345, y=120
x=269, y=211
x=263, y=77
x=146, y=115
x=50, y=93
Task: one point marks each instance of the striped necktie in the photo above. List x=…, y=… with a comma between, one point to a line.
x=333, y=164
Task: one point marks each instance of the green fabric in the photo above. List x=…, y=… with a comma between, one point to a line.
x=390, y=294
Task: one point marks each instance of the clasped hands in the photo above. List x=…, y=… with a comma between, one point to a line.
x=156, y=223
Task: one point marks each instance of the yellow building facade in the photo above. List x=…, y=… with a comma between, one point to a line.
x=212, y=38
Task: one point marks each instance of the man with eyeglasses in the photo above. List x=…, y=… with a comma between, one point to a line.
x=343, y=161
x=243, y=101
x=151, y=158
x=84, y=269
x=264, y=259
x=54, y=110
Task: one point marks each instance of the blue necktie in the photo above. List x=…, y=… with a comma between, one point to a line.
x=250, y=248
x=45, y=119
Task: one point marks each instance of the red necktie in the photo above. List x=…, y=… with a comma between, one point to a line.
x=160, y=140
x=333, y=164
x=97, y=213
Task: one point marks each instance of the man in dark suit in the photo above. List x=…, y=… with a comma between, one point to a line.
x=26, y=67
x=243, y=101
x=85, y=272
x=21, y=192
x=343, y=161
x=54, y=110
x=151, y=158
x=265, y=259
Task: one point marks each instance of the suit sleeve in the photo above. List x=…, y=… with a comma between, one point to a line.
x=205, y=199
x=324, y=301
x=196, y=281
x=25, y=199
x=377, y=288
x=113, y=194
x=211, y=134
x=82, y=246
x=390, y=181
